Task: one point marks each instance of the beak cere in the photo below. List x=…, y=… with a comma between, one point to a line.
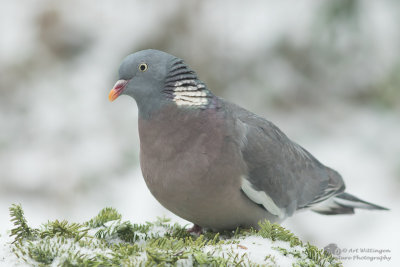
x=117, y=89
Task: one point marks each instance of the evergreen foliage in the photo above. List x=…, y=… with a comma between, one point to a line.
x=106, y=240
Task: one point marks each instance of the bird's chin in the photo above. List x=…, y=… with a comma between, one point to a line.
x=117, y=90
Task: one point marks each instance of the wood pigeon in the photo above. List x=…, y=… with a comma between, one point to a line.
x=214, y=163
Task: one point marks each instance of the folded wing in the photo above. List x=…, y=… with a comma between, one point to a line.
x=282, y=176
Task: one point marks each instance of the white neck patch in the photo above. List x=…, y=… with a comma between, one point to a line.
x=190, y=93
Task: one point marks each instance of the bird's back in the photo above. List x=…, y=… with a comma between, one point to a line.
x=286, y=172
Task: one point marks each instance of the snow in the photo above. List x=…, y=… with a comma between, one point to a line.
x=257, y=249
x=7, y=257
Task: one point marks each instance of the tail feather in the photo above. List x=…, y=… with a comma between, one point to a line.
x=344, y=204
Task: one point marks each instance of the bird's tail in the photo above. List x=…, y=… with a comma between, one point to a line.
x=344, y=204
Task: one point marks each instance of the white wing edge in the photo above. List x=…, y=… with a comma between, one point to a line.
x=260, y=197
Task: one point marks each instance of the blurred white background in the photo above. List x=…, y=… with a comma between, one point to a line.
x=326, y=72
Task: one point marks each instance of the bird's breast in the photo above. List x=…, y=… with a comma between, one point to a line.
x=186, y=156
x=180, y=144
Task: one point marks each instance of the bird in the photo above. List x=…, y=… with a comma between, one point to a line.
x=214, y=163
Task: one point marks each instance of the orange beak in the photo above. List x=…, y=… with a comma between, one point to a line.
x=117, y=89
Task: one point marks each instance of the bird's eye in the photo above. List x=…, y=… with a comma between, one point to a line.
x=143, y=67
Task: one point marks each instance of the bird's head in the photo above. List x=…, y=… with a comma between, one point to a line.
x=155, y=78
x=141, y=75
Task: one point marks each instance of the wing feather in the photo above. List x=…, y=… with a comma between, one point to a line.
x=283, y=170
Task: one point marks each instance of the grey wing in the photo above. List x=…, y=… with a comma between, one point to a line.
x=282, y=176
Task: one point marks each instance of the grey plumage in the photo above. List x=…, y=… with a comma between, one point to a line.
x=215, y=163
